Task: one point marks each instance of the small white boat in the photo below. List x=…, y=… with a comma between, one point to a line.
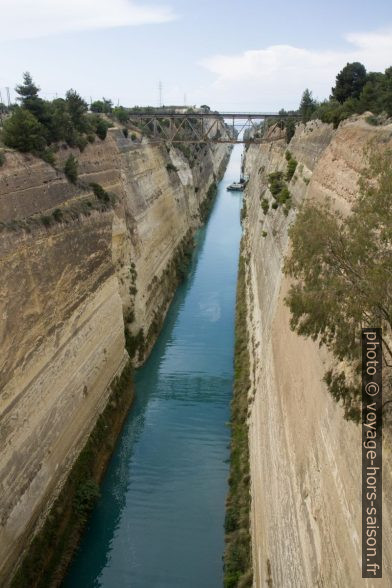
x=236, y=187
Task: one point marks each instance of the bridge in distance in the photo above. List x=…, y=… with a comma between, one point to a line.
x=205, y=127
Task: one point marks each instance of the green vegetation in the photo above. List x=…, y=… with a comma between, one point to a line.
x=101, y=194
x=174, y=273
x=342, y=271
x=265, y=205
x=277, y=184
x=35, y=123
x=355, y=92
x=291, y=166
x=279, y=190
x=54, y=545
x=238, y=553
x=101, y=128
x=307, y=106
x=121, y=114
x=71, y=168
x=206, y=205
x=103, y=106
x=171, y=167
x=2, y=158
x=22, y=131
x=135, y=344
x=349, y=82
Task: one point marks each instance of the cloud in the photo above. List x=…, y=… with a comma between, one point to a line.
x=276, y=76
x=24, y=19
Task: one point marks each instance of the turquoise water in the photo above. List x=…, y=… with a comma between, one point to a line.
x=159, y=521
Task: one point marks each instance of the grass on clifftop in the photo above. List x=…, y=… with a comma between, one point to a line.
x=238, y=554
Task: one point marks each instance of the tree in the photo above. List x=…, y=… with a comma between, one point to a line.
x=342, y=272
x=349, y=82
x=386, y=92
x=307, y=106
x=290, y=129
x=101, y=128
x=60, y=126
x=24, y=132
x=77, y=109
x=103, y=106
x=97, y=106
x=71, y=168
x=28, y=89
x=30, y=100
x=121, y=114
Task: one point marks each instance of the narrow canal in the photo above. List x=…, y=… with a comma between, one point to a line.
x=159, y=521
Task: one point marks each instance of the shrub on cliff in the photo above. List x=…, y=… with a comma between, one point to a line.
x=71, y=169
x=121, y=114
x=22, y=131
x=291, y=166
x=171, y=167
x=101, y=128
x=276, y=183
x=342, y=272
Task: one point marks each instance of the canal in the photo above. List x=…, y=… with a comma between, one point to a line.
x=159, y=522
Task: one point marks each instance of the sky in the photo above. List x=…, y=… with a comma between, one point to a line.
x=246, y=55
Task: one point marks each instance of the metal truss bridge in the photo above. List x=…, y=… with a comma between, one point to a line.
x=207, y=127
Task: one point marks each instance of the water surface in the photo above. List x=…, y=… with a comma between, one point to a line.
x=159, y=521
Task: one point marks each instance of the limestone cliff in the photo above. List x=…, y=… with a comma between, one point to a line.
x=73, y=264
x=305, y=458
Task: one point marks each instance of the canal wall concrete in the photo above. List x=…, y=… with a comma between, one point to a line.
x=305, y=457
x=77, y=272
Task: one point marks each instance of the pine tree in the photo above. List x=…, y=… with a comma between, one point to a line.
x=307, y=106
x=30, y=100
x=349, y=82
x=24, y=132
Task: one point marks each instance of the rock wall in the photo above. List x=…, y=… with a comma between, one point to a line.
x=305, y=458
x=72, y=267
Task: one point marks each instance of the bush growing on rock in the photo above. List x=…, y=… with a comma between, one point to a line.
x=101, y=128
x=71, y=168
x=341, y=267
x=171, y=167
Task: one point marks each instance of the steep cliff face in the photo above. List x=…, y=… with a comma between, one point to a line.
x=305, y=458
x=73, y=265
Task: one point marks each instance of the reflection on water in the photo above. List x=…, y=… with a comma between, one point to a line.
x=159, y=521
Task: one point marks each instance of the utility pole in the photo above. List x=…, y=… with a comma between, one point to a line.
x=160, y=94
x=8, y=96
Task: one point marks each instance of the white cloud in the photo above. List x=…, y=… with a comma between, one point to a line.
x=276, y=76
x=24, y=19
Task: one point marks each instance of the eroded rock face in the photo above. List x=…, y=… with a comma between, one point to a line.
x=68, y=279
x=305, y=458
